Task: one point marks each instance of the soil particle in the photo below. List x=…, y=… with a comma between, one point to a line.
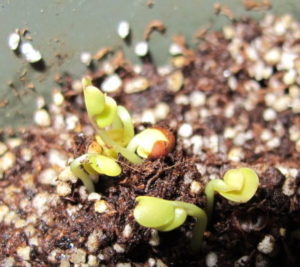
x=271, y=178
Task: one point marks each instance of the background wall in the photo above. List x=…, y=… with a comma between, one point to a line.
x=68, y=27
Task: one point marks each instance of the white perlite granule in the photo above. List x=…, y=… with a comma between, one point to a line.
x=136, y=85
x=154, y=240
x=123, y=29
x=269, y=114
x=14, y=40
x=8, y=262
x=151, y=262
x=185, y=130
x=195, y=187
x=118, y=248
x=86, y=58
x=127, y=231
x=125, y=264
x=30, y=53
x=100, y=206
x=266, y=246
x=24, y=253
x=235, y=154
x=161, y=111
x=48, y=176
x=111, y=83
x=141, y=49
x=63, y=189
x=211, y=259
x=7, y=161
x=42, y=118
x=78, y=256
x=175, y=49
x=93, y=240
x=289, y=186
x=197, y=99
x=94, y=196
x=3, y=211
x=93, y=261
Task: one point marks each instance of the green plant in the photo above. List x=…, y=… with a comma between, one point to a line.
x=166, y=215
x=115, y=134
x=238, y=185
x=90, y=165
x=112, y=122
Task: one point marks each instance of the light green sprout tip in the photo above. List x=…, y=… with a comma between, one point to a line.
x=89, y=165
x=165, y=215
x=238, y=185
x=94, y=100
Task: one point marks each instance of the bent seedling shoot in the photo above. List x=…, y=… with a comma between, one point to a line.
x=238, y=185
x=165, y=215
x=90, y=165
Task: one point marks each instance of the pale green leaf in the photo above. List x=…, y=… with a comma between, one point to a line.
x=105, y=165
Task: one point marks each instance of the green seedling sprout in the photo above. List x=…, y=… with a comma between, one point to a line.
x=115, y=134
x=238, y=185
x=165, y=215
x=112, y=122
x=152, y=143
x=89, y=165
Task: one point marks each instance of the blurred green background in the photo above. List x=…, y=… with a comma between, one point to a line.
x=69, y=27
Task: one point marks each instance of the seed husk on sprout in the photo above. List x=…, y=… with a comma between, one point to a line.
x=152, y=143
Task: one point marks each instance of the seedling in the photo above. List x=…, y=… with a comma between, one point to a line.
x=165, y=215
x=238, y=185
x=115, y=131
x=115, y=128
x=90, y=165
x=112, y=122
x=152, y=143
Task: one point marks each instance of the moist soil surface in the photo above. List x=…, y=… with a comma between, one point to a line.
x=218, y=107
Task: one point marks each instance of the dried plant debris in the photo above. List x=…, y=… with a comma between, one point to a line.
x=154, y=25
x=102, y=52
x=257, y=5
x=232, y=103
x=224, y=10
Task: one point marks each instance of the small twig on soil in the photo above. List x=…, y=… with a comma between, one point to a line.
x=224, y=10
x=128, y=166
x=154, y=25
x=155, y=177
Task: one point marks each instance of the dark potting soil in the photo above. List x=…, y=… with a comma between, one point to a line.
x=223, y=113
